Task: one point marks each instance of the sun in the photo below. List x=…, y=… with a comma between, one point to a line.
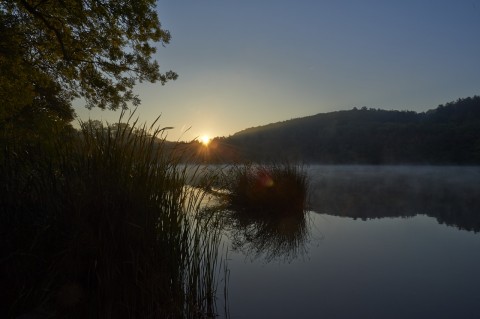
x=205, y=140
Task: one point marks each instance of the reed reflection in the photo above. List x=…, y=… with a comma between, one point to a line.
x=279, y=236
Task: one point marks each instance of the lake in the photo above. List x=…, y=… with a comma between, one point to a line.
x=378, y=242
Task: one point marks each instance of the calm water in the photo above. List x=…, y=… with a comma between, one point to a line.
x=379, y=242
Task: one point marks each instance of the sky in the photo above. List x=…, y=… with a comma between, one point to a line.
x=246, y=63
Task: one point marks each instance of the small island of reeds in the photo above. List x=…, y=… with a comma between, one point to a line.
x=263, y=210
x=267, y=189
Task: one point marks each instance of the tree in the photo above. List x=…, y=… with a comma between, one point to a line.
x=53, y=51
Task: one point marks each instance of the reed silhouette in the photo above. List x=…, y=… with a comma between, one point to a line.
x=102, y=228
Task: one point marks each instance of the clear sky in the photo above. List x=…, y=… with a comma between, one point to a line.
x=245, y=63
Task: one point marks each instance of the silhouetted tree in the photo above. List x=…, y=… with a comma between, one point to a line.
x=52, y=52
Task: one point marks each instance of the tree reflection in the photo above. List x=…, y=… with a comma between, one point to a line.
x=451, y=195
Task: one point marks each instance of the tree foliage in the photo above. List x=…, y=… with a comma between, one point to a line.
x=53, y=51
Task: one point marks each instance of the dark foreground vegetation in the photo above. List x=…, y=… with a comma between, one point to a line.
x=96, y=223
x=99, y=225
x=448, y=134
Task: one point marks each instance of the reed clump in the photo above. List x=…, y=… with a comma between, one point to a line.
x=100, y=228
x=267, y=189
x=262, y=209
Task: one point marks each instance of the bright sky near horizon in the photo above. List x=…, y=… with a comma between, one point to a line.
x=253, y=62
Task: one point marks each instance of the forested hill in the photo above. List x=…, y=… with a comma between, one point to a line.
x=449, y=134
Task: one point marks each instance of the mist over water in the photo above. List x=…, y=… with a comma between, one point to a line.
x=382, y=242
x=449, y=194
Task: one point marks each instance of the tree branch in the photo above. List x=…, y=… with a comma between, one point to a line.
x=40, y=16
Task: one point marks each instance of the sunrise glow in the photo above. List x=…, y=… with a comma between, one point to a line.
x=205, y=140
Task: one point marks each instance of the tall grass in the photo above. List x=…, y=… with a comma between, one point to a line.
x=268, y=189
x=101, y=228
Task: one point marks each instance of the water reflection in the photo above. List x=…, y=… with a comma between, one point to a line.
x=382, y=268
x=449, y=194
x=273, y=236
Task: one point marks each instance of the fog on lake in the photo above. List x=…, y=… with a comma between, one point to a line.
x=377, y=242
